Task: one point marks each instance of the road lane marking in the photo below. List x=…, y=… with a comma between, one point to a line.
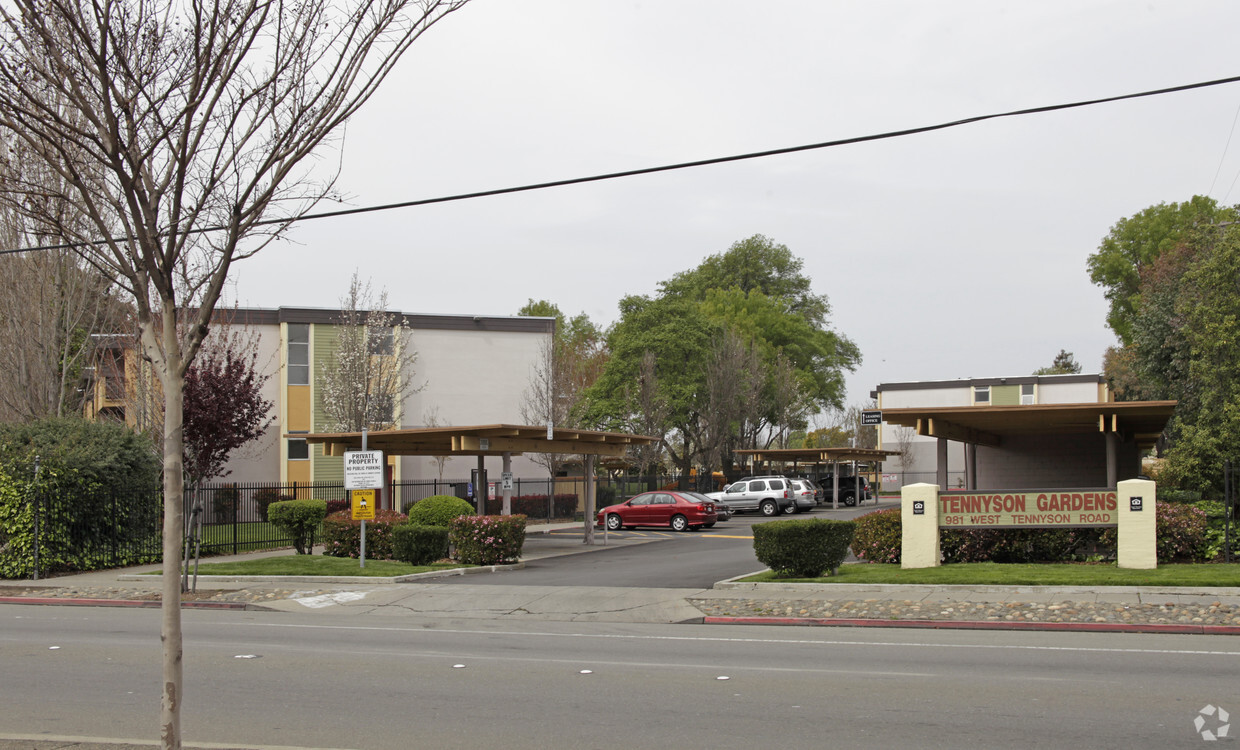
x=774, y=641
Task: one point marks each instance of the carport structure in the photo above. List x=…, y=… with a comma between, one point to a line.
x=501, y=440
x=817, y=458
x=1044, y=445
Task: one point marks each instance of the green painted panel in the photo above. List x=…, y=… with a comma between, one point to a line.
x=1005, y=395
x=324, y=339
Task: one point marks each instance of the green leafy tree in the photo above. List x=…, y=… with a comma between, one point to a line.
x=679, y=337
x=1206, y=428
x=1064, y=364
x=1135, y=242
x=755, y=264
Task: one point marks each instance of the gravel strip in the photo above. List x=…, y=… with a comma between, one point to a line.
x=246, y=596
x=883, y=609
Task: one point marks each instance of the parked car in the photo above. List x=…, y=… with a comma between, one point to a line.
x=721, y=508
x=679, y=510
x=848, y=489
x=770, y=496
x=805, y=495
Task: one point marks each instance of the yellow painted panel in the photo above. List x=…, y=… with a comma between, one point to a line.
x=298, y=471
x=298, y=409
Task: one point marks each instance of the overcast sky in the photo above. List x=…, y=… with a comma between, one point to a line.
x=954, y=254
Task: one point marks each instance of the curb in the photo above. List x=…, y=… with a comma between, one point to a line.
x=1080, y=627
x=131, y=603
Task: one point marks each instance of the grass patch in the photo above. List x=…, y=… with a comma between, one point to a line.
x=993, y=574
x=317, y=565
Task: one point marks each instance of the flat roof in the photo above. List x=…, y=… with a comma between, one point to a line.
x=1139, y=421
x=478, y=440
x=818, y=455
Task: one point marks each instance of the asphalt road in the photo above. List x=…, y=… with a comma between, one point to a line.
x=649, y=557
x=265, y=678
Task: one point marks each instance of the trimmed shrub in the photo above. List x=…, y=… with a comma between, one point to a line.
x=1017, y=545
x=487, y=540
x=878, y=536
x=1182, y=534
x=299, y=519
x=803, y=548
x=419, y=545
x=438, y=510
x=342, y=536
x=335, y=506
x=563, y=505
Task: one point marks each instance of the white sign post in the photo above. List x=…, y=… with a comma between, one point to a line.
x=363, y=470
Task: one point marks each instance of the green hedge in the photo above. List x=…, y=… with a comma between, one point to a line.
x=438, y=510
x=802, y=548
x=419, y=545
x=299, y=519
x=487, y=540
x=342, y=536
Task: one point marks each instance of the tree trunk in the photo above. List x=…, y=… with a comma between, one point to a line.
x=170, y=627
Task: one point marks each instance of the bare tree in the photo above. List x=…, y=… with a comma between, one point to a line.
x=548, y=400
x=50, y=303
x=734, y=382
x=904, y=446
x=183, y=132
x=432, y=419
x=364, y=382
x=651, y=417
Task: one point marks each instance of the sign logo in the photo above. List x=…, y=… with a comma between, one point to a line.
x=919, y=507
x=1214, y=716
x=1135, y=503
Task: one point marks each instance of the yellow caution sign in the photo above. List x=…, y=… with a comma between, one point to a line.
x=363, y=505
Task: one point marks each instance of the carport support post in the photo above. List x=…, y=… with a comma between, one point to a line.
x=942, y=460
x=480, y=492
x=1136, y=543
x=507, y=486
x=835, y=484
x=919, y=531
x=590, y=500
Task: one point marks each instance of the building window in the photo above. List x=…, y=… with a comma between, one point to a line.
x=298, y=449
x=981, y=394
x=380, y=341
x=299, y=354
x=1026, y=393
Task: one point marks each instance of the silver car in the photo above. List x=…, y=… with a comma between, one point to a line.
x=770, y=496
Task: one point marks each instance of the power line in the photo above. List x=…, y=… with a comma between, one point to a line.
x=687, y=164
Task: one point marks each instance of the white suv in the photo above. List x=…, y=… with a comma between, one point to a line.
x=770, y=496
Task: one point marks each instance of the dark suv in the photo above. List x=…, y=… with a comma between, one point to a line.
x=848, y=490
x=770, y=496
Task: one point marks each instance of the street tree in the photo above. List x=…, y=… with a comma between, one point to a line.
x=363, y=382
x=186, y=133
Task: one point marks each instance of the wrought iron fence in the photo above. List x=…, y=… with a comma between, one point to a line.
x=105, y=528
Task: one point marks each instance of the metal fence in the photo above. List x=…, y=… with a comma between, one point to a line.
x=117, y=527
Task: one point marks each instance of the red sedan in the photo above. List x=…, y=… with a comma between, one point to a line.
x=679, y=510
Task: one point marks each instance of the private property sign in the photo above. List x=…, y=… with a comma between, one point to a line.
x=1037, y=509
x=363, y=470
